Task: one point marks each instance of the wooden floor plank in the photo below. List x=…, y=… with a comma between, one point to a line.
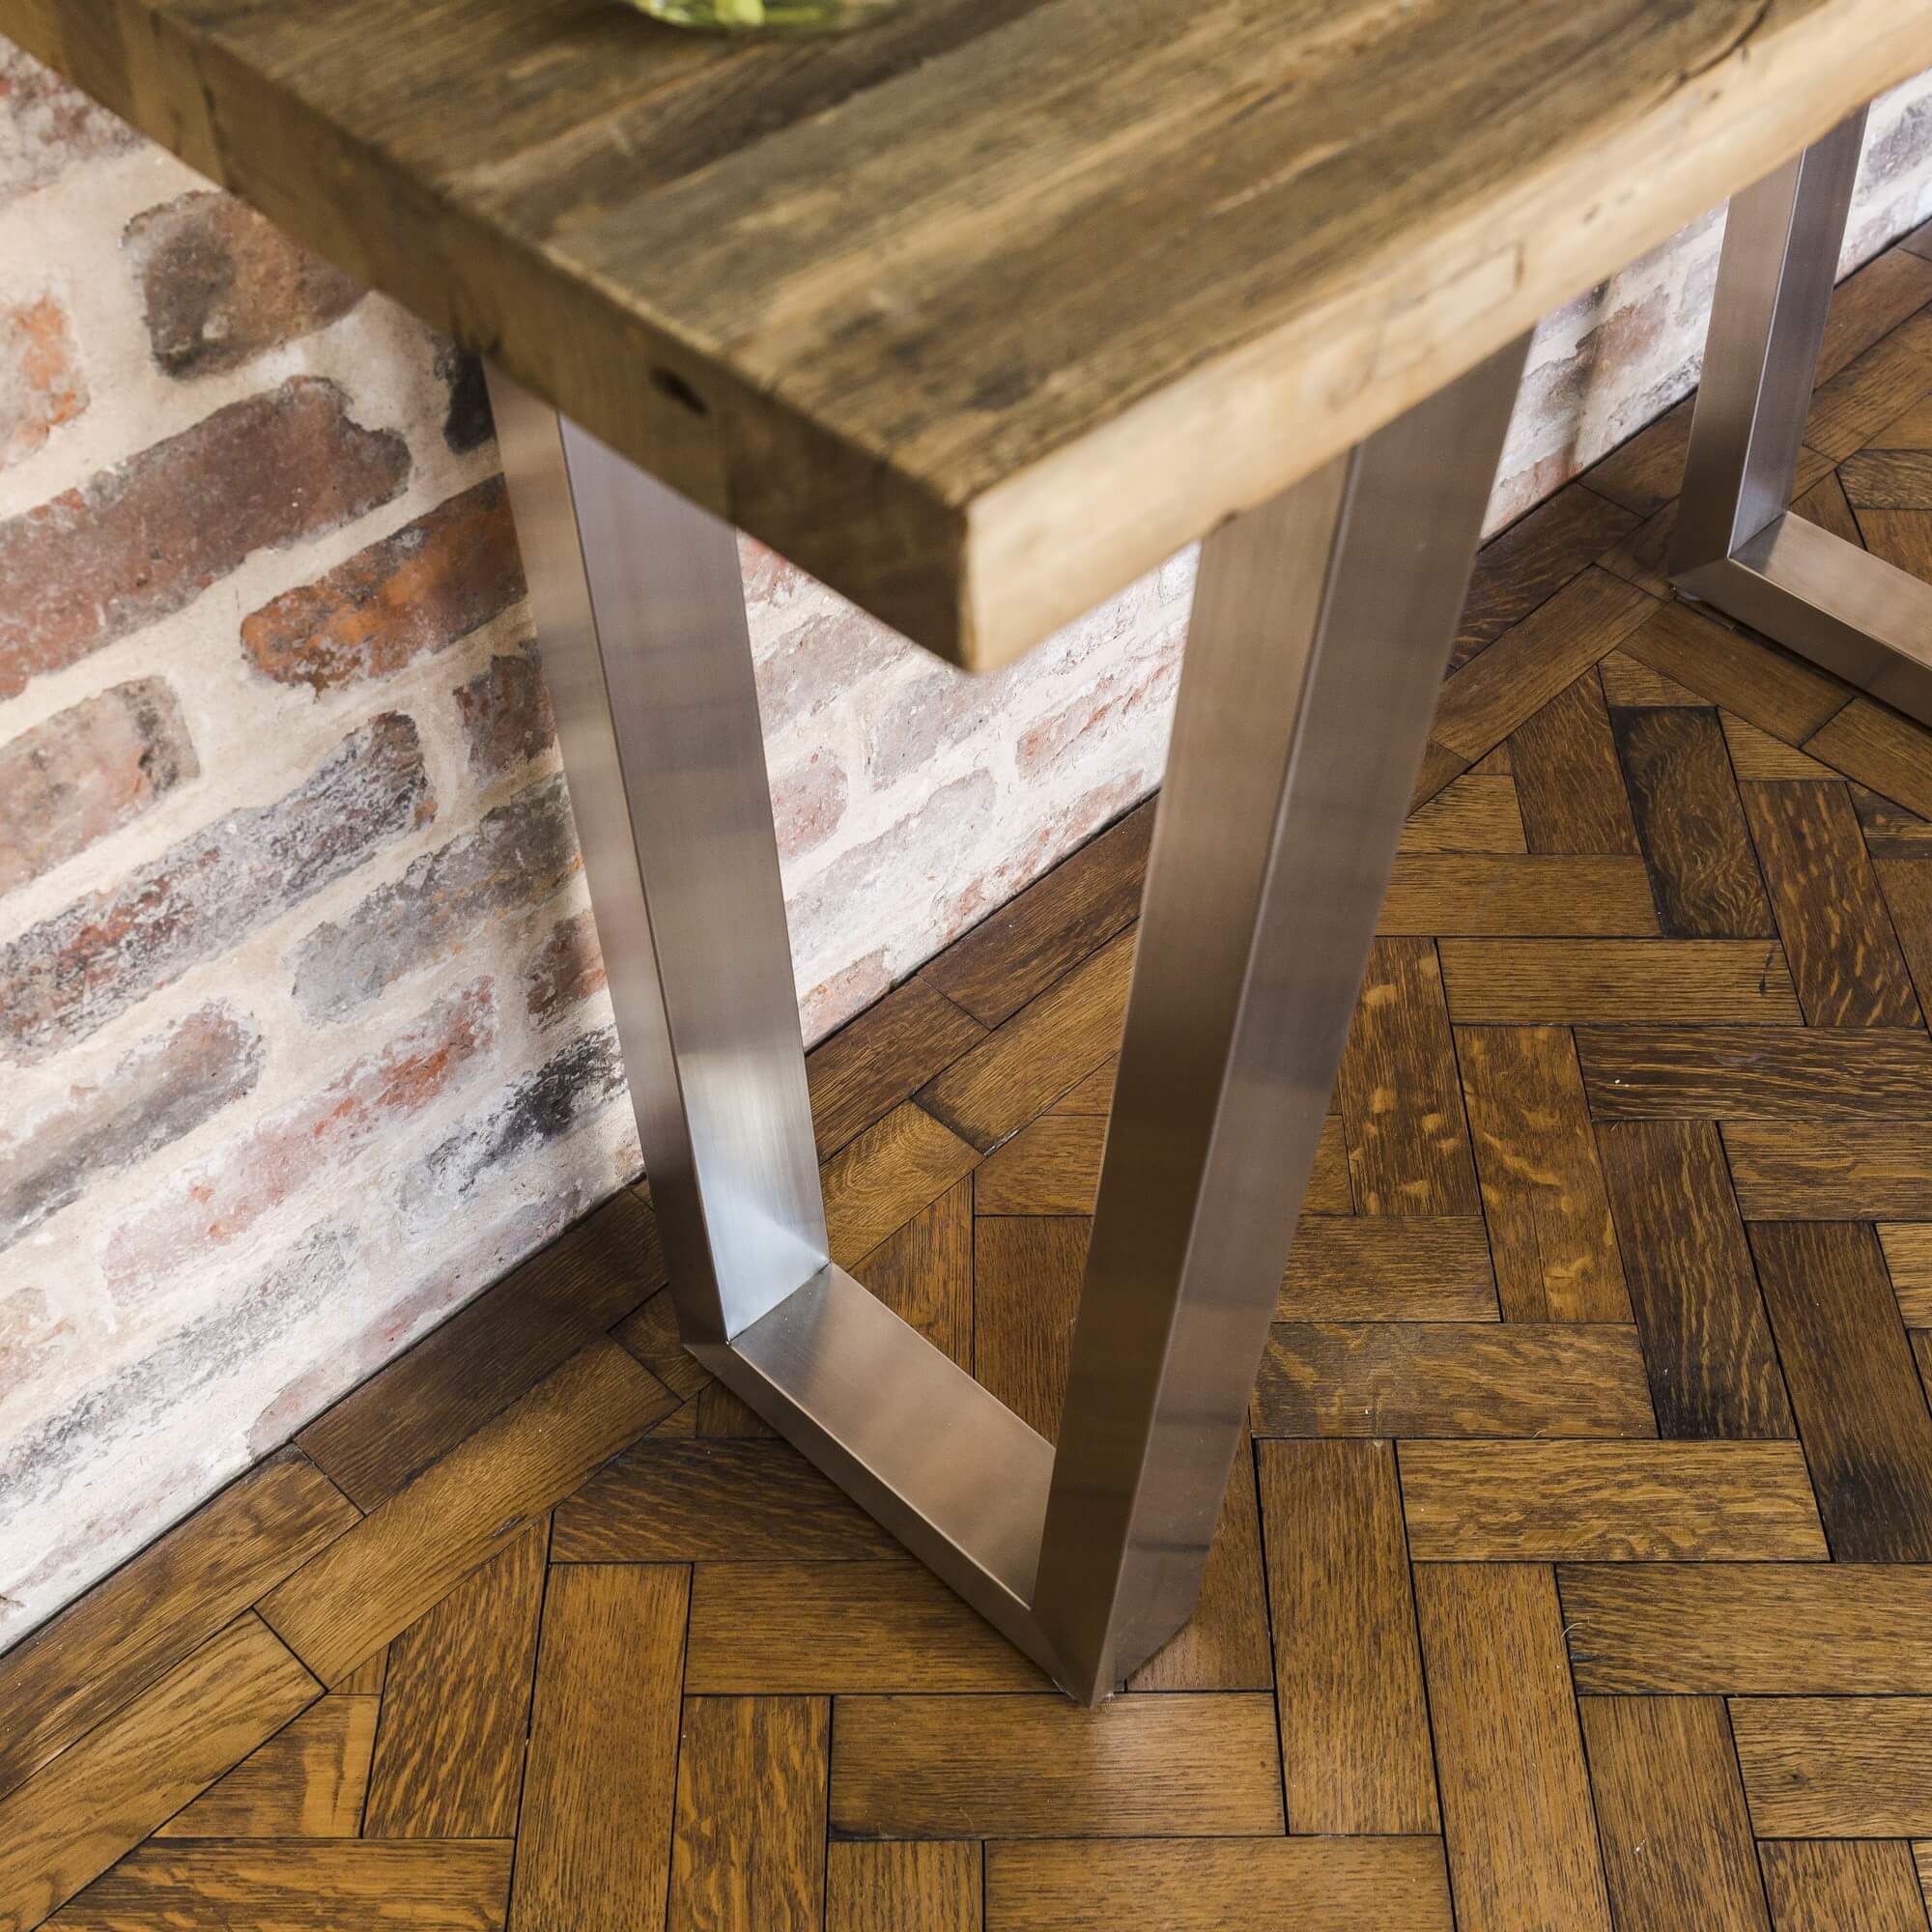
x=1855, y=1389
x=455, y=1709
x=307, y=1782
x=1691, y=1629
x=1906, y=885
x=889, y=1052
x=1019, y=1767
x=1409, y=1150
x=595, y=1843
x=1729, y=1073
x=1880, y=748
x=1362, y=1270
x=1842, y=1884
x=1756, y=754
x=1707, y=1345
x=1052, y=1166
x=797, y=1629
x=1473, y=814
x=1839, y=941
x=1850, y=408
x=1332, y=1185
x=1551, y=1232
x=382, y=1576
x=102, y=1794
x=1512, y=1502
x=749, y=1852
x=1613, y=982
x=924, y=1886
x=1026, y=1279
x=1852, y=1171
x=1907, y=1246
x=146, y=1616
x=1836, y=1767
x=1225, y=1644
x=1032, y=1058
x=684, y=1502
x=1566, y=777
x=1048, y=930
x=892, y=1170
x=650, y=1333
x=1670, y=1807
x=491, y=1352
x=924, y=1271
x=309, y=1886
x=1630, y=683
x=1354, y=1726
x=1522, y=1848
x=1434, y=893
x=1227, y=1885
x=1702, y=865
x=1452, y=1379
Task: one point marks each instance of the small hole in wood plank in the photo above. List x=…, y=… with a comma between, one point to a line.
x=669, y=383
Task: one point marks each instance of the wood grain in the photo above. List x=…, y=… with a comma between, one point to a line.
x=103, y=1794
x=1836, y=1767
x=1358, y=1270
x=1702, y=866
x=1670, y=1807
x=1849, y=1170
x=1228, y=1885
x=1610, y=981
x=883, y=1057
x=1907, y=1246
x=931, y=1886
x=1051, y=1166
x=1523, y=1850
x=1839, y=941
x=1707, y=1344
x=1017, y=1767
x=1515, y=1502
x=1566, y=777
x=1408, y=1149
x=1452, y=1379
x=650, y=1333
x=1906, y=887
x=382, y=1576
x=776, y=1629
x=1842, y=1884
x=880, y=1180
x=748, y=1853
x=1457, y=892
x=1849, y=407
x=595, y=1843
x=1757, y=754
x=1051, y=927
x=1813, y=1628
x=306, y=1781
x=307, y=1887
x=1052, y=1042
x=1880, y=748
x=455, y=1711
x=1470, y=815
x=682, y=1502
x=1027, y=1272
x=1767, y=687
x=1794, y=1073
x=1355, y=1729
x=1855, y=1389
x=1550, y=1235
x=489, y=1353
x=148, y=1615
x=924, y=1271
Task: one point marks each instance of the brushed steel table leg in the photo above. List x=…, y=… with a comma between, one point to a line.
x=1322, y=623
x=1737, y=546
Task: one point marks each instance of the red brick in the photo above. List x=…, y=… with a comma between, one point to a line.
x=505, y=713
x=433, y=582
x=65, y=978
x=49, y=125
x=85, y=770
x=808, y=803
x=165, y=1088
x=219, y=284
x=41, y=385
x=517, y=855
x=564, y=971
x=239, y=1183
x=149, y=536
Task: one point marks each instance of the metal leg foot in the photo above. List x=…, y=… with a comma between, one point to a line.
x=1322, y=623
x=1737, y=547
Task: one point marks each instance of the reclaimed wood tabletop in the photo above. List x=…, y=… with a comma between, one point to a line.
x=980, y=312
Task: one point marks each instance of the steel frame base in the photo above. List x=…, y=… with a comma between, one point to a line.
x=1322, y=626
x=1739, y=546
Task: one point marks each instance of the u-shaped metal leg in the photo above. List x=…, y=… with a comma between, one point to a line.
x=1321, y=624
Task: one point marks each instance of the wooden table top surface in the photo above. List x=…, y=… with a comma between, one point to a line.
x=979, y=312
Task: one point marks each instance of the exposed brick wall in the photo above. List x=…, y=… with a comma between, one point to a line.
x=303, y=1032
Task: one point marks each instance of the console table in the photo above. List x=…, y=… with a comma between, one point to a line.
x=979, y=314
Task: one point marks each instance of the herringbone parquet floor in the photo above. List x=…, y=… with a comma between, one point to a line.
x=1580, y=1574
